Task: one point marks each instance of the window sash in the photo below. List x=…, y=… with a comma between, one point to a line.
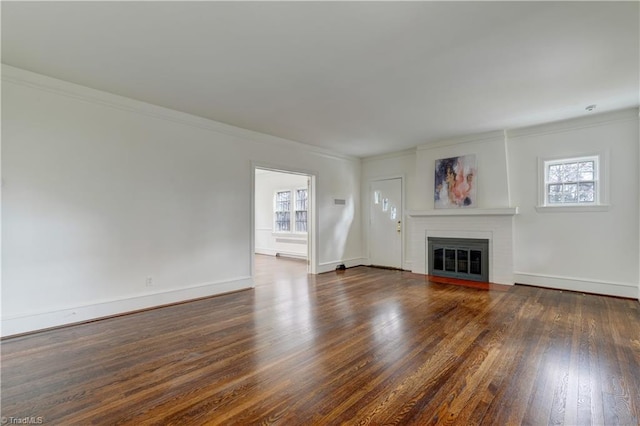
x=302, y=204
x=571, y=181
x=291, y=211
x=282, y=211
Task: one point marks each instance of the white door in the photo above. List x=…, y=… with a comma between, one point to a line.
x=385, y=229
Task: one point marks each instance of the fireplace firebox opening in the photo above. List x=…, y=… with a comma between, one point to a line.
x=463, y=258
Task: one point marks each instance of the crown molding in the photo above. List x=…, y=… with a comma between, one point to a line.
x=594, y=120
x=473, y=138
x=42, y=82
x=395, y=154
x=499, y=211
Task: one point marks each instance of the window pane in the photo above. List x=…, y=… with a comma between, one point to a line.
x=570, y=172
x=570, y=193
x=301, y=221
x=449, y=260
x=585, y=170
x=438, y=259
x=301, y=199
x=282, y=211
x=463, y=264
x=475, y=262
x=394, y=213
x=554, y=173
x=555, y=194
x=571, y=181
x=385, y=204
x=376, y=197
x=302, y=203
x=283, y=221
x=587, y=192
x=283, y=201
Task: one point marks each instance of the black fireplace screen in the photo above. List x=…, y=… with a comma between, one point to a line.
x=465, y=258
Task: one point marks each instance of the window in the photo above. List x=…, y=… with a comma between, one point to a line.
x=572, y=182
x=284, y=206
x=301, y=210
x=283, y=211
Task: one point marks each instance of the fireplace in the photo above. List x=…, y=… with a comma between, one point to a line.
x=464, y=258
x=495, y=225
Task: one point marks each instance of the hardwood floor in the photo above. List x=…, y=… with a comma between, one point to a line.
x=363, y=346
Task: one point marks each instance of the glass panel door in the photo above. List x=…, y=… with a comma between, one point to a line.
x=463, y=263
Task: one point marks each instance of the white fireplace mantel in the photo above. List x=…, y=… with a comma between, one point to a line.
x=495, y=224
x=506, y=211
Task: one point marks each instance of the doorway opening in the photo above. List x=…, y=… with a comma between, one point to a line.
x=283, y=217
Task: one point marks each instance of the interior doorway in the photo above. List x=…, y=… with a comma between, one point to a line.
x=283, y=215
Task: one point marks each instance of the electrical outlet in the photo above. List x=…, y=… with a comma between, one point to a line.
x=149, y=281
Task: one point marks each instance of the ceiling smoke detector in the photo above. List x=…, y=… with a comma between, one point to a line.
x=590, y=107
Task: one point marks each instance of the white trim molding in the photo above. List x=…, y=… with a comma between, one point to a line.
x=573, y=209
x=473, y=138
x=78, y=314
x=349, y=263
x=506, y=211
x=42, y=82
x=396, y=154
x=577, y=284
x=601, y=178
x=575, y=123
x=498, y=229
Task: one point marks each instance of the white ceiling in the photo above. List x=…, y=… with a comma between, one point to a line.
x=358, y=78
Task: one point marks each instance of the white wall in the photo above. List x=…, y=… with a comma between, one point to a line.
x=592, y=251
x=400, y=164
x=586, y=251
x=101, y=192
x=492, y=188
x=267, y=241
x=417, y=168
x=492, y=181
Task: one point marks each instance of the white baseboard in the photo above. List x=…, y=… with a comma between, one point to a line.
x=349, y=263
x=575, y=284
x=266, y=251
x=291, y=255
x=43, y=320
x=271, y=252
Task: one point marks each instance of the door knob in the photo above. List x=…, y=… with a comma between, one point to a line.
x=399, y=227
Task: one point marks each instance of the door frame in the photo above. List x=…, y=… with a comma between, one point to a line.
x=312, y=240
x=370, y=181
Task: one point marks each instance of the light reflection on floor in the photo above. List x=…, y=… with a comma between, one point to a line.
x=282, y=284
x=387, y=325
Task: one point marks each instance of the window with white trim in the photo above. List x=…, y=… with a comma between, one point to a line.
x=282, y=211
x=574, y=184
x=290, y=211
x=302, y=204
x=571, y=181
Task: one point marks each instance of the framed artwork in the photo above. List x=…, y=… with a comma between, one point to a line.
x=455, y=182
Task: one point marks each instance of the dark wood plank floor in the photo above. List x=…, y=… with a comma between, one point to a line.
x=365, y=346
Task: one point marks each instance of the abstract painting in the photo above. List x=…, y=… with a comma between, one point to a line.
x=455, y=183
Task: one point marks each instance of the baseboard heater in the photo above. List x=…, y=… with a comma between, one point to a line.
x=291, y=241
